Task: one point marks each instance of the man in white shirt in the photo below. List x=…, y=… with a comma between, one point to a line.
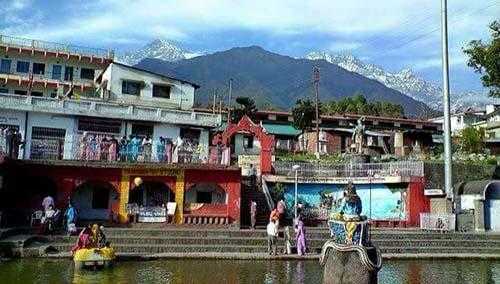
x=272, y=235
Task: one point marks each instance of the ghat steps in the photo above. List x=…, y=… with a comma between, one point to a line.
x=181, y=240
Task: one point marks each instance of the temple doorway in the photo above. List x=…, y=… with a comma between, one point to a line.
x=151, y=194
x=93, y=200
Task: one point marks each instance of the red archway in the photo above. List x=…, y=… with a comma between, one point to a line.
x=248, y=126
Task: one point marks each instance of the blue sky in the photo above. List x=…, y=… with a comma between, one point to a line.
x=394, y=34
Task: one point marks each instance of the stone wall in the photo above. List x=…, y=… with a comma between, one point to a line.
x=434, y=173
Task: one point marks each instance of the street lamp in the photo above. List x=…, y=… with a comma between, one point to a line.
x=296, y=169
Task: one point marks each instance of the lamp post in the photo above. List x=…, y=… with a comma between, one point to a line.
x=296, y=169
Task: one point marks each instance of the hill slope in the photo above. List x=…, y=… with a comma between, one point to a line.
x=277, y=80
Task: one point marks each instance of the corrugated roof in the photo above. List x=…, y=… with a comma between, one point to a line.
x=281, y=129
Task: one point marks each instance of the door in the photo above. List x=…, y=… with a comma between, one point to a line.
x=68, y=73
x=492, y=215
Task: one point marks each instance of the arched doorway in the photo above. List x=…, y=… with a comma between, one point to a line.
x=93, y=200
x=492, y=206
x=151, y=194
x=247, y=126
x=205, y=193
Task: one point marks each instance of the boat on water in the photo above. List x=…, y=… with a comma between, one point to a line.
x=94, y=258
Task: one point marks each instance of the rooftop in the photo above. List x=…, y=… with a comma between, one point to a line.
x=46, y=46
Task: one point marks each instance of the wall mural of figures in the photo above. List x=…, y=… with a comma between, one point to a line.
x=317, y=201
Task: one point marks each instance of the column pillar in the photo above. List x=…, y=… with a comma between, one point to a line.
x=479, y=215
x=179, y=197
x=123, y=198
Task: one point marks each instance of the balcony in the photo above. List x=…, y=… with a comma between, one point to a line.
x=96, y=108
x=45, y=79
x=45, y=46
x=401, y=171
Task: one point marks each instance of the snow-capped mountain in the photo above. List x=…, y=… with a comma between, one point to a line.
x=405, y=81
x=159, y=49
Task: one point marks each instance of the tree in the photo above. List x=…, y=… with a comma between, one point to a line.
x=359, y=105
x=471, y=140
x=304, y=113
x=485, y=59
x=246, y=107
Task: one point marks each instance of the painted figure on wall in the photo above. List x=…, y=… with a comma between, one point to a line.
x=351, y=206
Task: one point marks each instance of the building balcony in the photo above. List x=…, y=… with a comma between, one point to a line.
x=57, y=49
x=96, y=108
x=391, y=172
x=46, y=80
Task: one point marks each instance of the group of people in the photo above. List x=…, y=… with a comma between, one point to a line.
x=135, y=148
x=11, y=140
x=273, y=228
x=50, y=216
x=92, y=236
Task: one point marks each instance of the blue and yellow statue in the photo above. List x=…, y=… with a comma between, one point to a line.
x=347, y=225
x=349, y=256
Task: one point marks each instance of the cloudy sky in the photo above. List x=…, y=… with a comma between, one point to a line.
x=394, y=34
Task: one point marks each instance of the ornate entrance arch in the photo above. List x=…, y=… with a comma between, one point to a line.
x=246, y=125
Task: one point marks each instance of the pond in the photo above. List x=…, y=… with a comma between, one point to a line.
x=242, y=271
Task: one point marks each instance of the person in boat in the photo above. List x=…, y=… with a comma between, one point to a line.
x=97, y=238
x=84, y=240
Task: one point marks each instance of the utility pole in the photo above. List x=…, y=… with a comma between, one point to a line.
x=214, y=104
x=229, y=101
x=446, y=103
x=316, y=91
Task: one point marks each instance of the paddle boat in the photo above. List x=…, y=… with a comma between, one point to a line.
x=94, y=257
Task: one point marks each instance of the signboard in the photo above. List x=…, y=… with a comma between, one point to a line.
x=152, y=214
x=433, y=192
x=249, y=164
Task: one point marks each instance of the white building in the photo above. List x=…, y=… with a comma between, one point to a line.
x=78, y=90
x=461, y=120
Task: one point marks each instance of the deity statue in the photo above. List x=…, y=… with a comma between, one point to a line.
x=349, y=256
x=358, y=135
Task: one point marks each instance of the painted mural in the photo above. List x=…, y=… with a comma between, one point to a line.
x=317, y=201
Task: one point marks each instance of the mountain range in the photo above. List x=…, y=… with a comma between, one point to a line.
x=255, y=78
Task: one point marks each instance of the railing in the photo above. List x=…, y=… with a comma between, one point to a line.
x=401, y=169
x=437, y=222
x=55, y=47
x=107, y=109
x=47, y=76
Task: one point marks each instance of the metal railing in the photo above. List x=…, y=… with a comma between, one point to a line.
x=437, y=221
x=107, y=109
x=400, y=169
x=47, y=76
x=55, y=47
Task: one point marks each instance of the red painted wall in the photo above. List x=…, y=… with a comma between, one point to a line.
x=229, y=180
x=417, y=201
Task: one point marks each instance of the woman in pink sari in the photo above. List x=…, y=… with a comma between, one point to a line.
x=83, y=241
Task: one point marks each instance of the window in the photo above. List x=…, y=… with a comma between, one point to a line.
x=37, y=94
x=68, y=73
x=99, y=125
x=142, y=130
x=87, y=73
x=4, y=91
x=248, y=142
x=161, y=91
x=5, y=65
x=131, y=88
x=23, y=67
x=56, y=72
x=19, y=92
x=38, y=68
x=203, y=197
x=47, y=143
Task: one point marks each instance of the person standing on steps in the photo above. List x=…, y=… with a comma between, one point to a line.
x=300, y=236
x=272, y=236
x=253, y=214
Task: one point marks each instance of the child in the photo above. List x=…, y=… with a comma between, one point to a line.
x=272, y=235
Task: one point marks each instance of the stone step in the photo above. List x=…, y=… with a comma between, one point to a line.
x=263, y=241
x=151, y=249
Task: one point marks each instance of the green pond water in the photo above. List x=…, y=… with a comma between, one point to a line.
x=234, y=271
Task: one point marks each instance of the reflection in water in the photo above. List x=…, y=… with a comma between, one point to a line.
x=233, y=271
